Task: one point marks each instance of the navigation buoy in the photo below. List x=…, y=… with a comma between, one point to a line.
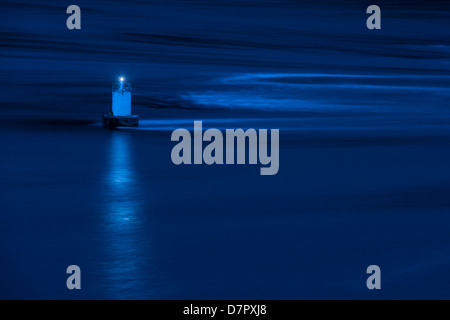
x=120, y=113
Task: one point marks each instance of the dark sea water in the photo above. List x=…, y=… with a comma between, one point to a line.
x=364, y=150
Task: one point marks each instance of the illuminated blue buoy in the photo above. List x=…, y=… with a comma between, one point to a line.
x=120, y=114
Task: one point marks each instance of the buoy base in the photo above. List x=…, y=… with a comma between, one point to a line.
x=112, y=121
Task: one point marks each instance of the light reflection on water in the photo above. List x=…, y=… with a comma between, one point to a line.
x=324, y=92
x=122, y=205
x=123, y=217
